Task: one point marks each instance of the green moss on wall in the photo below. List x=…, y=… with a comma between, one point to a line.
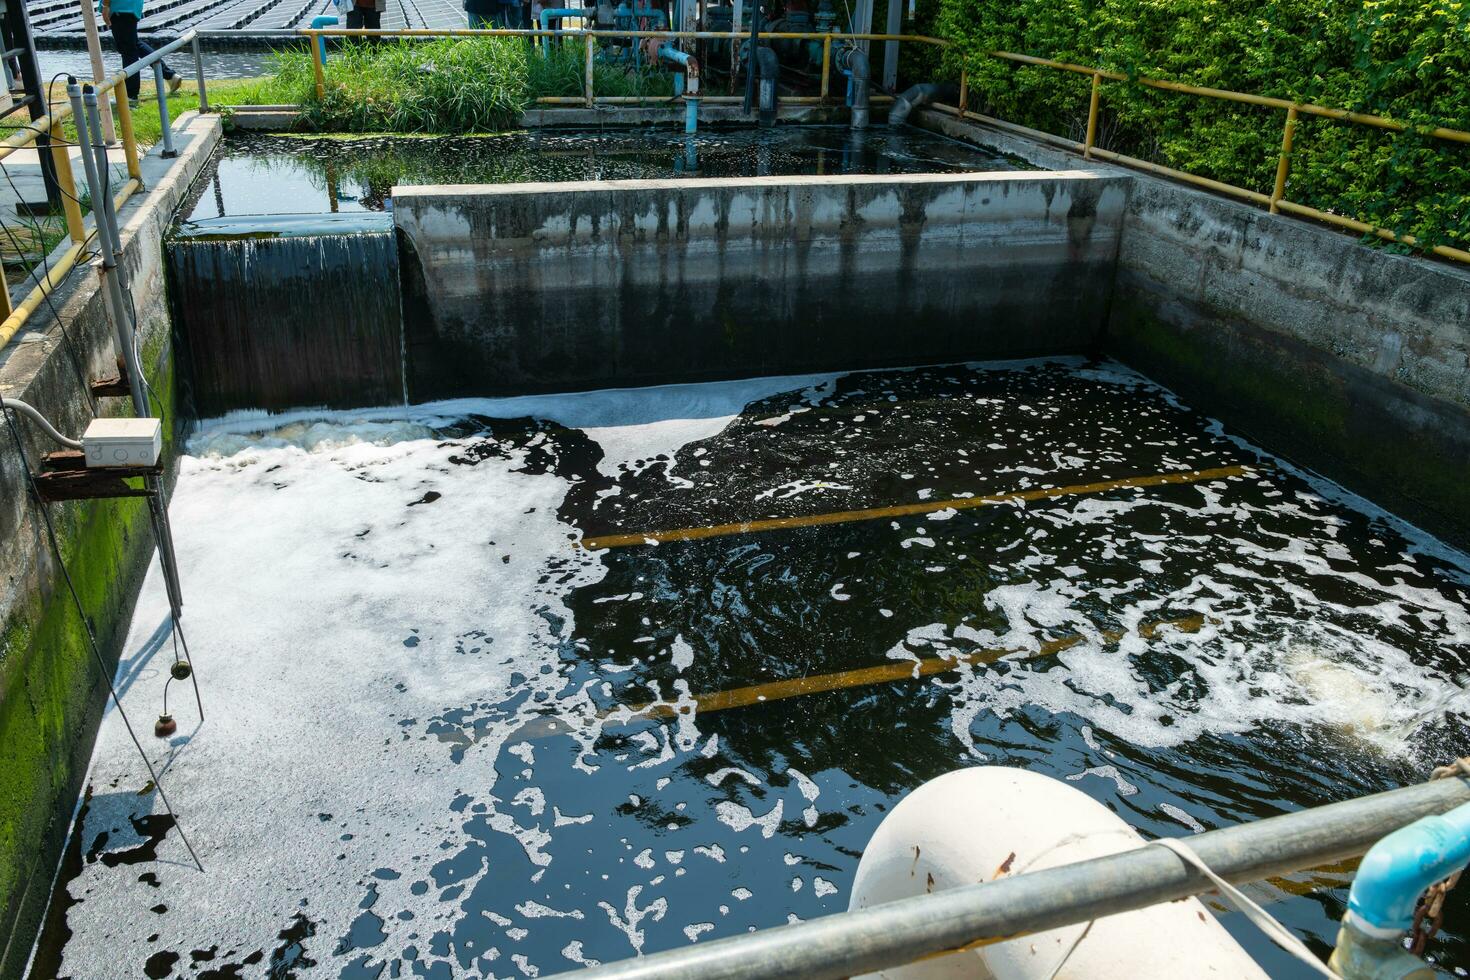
x=53, y=691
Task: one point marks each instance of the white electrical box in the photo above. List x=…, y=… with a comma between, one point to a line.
x=123, y=442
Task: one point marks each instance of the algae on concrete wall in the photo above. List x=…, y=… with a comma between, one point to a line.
x=52, y=693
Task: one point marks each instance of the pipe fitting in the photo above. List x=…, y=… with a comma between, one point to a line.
x=919, y=95
x=1395, y=872
x=859, y=84
x=687, y=61
x=768, y=67
x=1390, y=880
x=1359, y=956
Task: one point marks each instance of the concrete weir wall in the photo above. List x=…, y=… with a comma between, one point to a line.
x=537, y=287
x=51, y=690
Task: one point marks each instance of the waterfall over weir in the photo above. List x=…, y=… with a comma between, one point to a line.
x=287, y=311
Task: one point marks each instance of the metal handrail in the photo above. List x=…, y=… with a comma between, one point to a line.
x=14, y=317
x=943, y=923
x=1276, y=202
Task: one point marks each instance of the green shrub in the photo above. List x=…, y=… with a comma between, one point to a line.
x=1406, y=59
x=446, y=85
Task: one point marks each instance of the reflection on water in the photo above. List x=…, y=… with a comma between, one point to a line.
x=257, y=174
x=217, y=64
x=395, y=610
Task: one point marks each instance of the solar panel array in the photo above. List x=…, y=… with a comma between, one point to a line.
x=60, y=21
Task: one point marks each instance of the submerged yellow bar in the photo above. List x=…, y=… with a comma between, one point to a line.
x=898, y=670
x=908, y=510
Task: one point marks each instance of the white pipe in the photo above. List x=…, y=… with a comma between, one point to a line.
x=99, y=71
x=16, y=405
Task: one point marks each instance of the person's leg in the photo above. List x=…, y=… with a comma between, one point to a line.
x=372, y=20
x=145, y=49
x=354, y=19
x=125, y=39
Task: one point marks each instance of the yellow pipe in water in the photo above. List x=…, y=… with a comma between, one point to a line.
x=898, y=670
x=909, y=510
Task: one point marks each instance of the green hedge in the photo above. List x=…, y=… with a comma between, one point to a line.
x=1406, y=59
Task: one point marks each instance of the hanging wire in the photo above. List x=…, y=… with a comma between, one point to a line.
x=92, y=637
x=152, y=395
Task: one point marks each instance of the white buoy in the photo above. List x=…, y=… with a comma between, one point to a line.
x=977, y=825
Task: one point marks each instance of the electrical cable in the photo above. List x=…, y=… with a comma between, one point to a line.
x=73, y=347
x=92, y=637
x=152, y=395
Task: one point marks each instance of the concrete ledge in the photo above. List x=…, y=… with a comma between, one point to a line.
x=284, y=118
x=541, y=287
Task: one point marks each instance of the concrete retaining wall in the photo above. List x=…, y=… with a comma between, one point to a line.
x=537, y=287
x=1349, y=359
x=1343, y=357
x=51, y=692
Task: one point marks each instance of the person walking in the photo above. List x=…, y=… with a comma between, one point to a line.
x=121, y=18
x=491, y=14
x=366, y=15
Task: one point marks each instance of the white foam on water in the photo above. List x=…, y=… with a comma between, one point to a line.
x=323, y=608
x=305, y=570
x=1249, y=665
x=328, y=609
x=630, y=424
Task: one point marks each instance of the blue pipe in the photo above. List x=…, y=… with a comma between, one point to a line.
x=1398, y=868
x=686, y=83
x=547, y=14
x=671, y=53
x=316, y=24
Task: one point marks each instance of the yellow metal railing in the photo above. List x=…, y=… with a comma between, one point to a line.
x=1276, y=201
x=12, y=319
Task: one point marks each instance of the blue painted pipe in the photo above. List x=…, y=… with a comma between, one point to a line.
x=325, y=20
x=547, y=15
x=1398, y=868
x=686, y=83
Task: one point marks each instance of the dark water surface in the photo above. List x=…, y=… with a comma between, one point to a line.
x=255, y=174
x=1319, y=651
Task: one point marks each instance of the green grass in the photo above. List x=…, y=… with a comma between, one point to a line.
x=446, y=85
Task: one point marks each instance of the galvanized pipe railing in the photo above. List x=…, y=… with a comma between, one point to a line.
x=949, y=922
x=14, y=318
